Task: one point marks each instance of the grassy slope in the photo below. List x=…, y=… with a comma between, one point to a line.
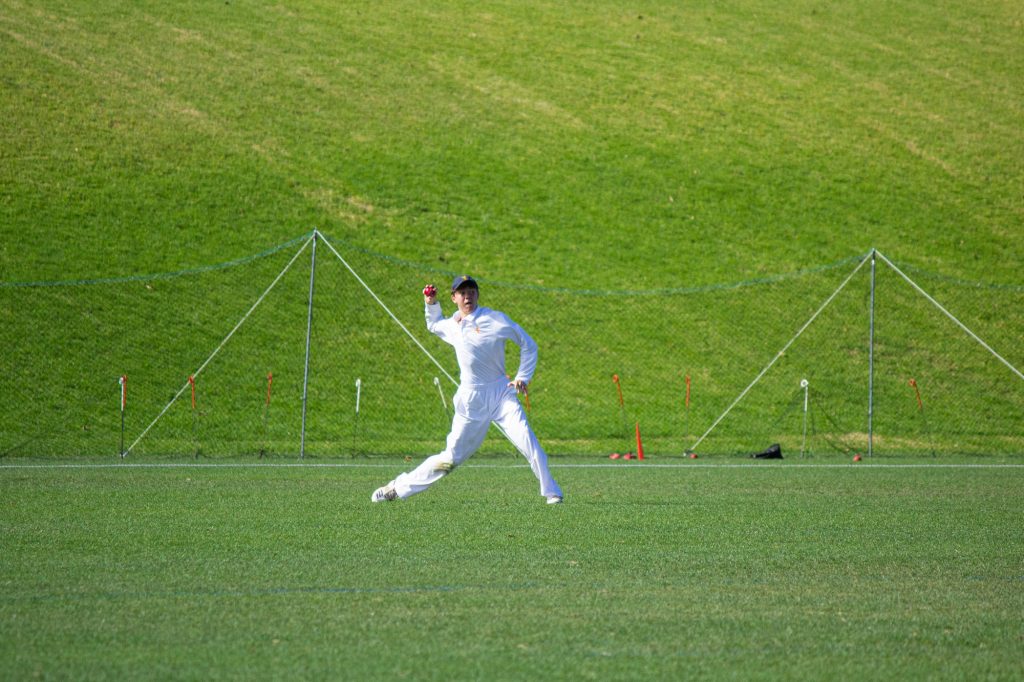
x=546, y=143
x=752, y=572
x=522, y=141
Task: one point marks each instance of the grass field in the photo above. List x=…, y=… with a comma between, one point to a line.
x=660, y=190
x=687, y=571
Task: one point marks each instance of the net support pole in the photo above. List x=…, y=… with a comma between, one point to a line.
x=309, y=333
x=871, y=359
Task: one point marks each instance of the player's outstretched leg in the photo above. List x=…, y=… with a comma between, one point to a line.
x=463, y=441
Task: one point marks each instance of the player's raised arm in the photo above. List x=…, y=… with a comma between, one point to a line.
x=432, y=312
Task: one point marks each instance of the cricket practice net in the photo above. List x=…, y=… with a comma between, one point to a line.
x=318, y=348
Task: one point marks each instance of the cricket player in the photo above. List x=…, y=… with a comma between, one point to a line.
x=485, y=393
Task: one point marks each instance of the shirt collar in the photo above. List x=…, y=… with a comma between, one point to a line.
x=472, y=317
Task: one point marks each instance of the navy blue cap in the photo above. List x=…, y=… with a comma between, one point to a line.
x=463, y=280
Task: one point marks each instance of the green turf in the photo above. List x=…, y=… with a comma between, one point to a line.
x=699, y=570
x=656, y=154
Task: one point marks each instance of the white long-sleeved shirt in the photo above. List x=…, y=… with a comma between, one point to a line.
x=479, y=341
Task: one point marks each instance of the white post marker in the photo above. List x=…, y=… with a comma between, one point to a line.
x=804, y=385
x=355, y=427
x=123, y=381
x=440, y=392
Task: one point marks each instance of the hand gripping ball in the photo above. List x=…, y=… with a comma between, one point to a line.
x=430, y=290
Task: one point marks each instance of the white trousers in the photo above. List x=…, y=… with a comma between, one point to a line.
x=475, y=408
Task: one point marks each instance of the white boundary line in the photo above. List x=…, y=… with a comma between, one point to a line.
x=753, y=466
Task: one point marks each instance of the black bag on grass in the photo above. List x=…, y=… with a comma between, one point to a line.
x=773, y=452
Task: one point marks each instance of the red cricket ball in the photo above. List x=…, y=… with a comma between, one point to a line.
x=430, y=290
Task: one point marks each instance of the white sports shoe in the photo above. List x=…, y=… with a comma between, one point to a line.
x=554, y=499
x=386, y=493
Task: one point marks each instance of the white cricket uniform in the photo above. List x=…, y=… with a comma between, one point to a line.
x=483, y=396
